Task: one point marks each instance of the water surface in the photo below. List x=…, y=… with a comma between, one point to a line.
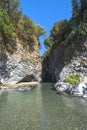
x=42, y=109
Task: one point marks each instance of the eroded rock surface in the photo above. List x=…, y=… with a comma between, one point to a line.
x=76, y=90
x=21, y=66
x=65, y=61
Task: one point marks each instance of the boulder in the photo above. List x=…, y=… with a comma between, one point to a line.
x=24, y=88
x=62, y=87
x=77, y=90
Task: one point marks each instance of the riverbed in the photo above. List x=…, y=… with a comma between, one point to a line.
x=41, y=108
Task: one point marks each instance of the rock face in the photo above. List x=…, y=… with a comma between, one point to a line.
x=21, y=66
x=78, y=90
x=64, y=61
x=63, y=87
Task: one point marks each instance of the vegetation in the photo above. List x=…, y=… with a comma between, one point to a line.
x=66, y=32
x=13, y=24
x=6, y=27
x=73, y=79
x=59, y=33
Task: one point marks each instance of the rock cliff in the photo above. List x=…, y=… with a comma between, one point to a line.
x=67, y=46
x=64, y=61
x=21, y=66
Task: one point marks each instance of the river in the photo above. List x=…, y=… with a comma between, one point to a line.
x=41, y=109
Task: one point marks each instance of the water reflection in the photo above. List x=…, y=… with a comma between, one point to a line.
x=3, y=99
x=64, y=111
x=42, y=109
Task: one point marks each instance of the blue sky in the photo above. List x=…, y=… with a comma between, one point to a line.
x=46, y=13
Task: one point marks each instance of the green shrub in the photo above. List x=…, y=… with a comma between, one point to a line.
x=60, y=31
x=6, y=27
x=73, y=79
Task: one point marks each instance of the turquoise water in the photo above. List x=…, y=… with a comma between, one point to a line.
x=42, y=109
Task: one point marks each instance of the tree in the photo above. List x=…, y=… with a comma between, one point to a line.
x=40, y=30
x=13, y=9
x=14, y=24
x=11, y=5
x=83, y=4
x=6, y=27
x=48, y=42
x=75, y=8
x=60, y=31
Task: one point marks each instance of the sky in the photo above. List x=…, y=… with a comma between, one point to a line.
x=46, y=13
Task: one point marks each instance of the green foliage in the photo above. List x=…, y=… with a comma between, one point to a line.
x=75, y=8
x=60, y=31
x=48, y=42
x=27, y=24
x=6, y=27
x=14, y=24
x=11, y=5
x=83, y=4
x=58, y=34
x=73, y=79
x=28, y=30
x=67, y=33
x=39, y=30
x=79, y=9
x=30, y=27
x=47, y=52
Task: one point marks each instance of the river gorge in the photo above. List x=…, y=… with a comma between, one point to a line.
x=43, y=91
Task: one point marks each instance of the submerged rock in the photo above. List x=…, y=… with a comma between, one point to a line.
x=24, y=88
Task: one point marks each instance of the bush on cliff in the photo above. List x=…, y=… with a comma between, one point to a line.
x=13, y=24
x=60, y=31
x=73, y=79
x=68, y=32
